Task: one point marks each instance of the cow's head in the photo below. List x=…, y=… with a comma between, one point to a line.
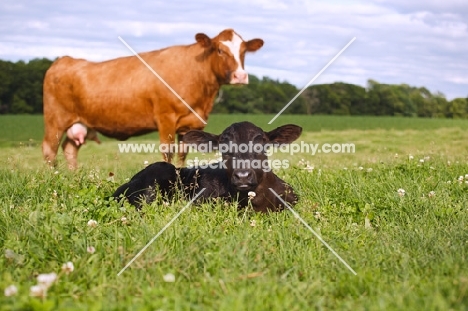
x=227, y=52
x=245, y=168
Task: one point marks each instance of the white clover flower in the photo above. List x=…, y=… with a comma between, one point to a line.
x=124, y=220
x=68, y=267
x=361, y=168
x=410, y=157
x=56, y=172
x=401, y=192
x=317, y=215
x=145, y=163
x=11, y=291
x=92, y=223
x=170, y=278
x=345, y=168
x=37, y=291
x=367, y=223
x=427, y=158
x=90, y=249
x=466, y=176
x=253, y=223
x=396, y=155
x=369, y=169
x=251, y=195
x=9, y=254
x=421, y=160
x=309, y=168
x=431, y=194
x=46, y=279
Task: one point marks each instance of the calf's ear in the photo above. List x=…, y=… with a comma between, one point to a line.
x=198, y=137
x=203, y=39
x=285, y=134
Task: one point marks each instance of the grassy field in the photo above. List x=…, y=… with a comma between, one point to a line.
x=409, y=251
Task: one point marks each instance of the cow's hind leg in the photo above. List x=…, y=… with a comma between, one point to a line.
x=70, y=150
x=50, y=145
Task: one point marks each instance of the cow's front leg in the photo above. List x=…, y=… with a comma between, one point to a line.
x=167, y=144
x=70, y=150
x=187, y=123
x=182, y=153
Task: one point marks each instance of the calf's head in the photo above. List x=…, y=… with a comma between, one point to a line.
x=226, y=54
x=243, y=147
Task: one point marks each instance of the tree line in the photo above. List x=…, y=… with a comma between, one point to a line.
x=21, y=93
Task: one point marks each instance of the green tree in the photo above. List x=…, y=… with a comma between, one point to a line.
x=457, y=109
x=19, y=106
x=21, y=85
x=6, y=94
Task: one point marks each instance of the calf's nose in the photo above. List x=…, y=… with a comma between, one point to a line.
x=243, y=178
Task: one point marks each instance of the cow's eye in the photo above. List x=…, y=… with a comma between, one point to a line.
x=220, y=52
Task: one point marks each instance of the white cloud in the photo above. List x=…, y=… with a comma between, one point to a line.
x=445, y=6
x=422, y=43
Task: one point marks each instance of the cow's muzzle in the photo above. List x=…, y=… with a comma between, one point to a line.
x=239, y=77
x=244, y=180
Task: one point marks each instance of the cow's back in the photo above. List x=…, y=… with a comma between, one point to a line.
x=121, y=97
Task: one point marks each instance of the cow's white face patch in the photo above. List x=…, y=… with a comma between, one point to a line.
x=234, y=46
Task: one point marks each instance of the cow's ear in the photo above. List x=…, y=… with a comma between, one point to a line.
x=203, y=39
x=197, y=137
x=253, y=45
x=285, y=134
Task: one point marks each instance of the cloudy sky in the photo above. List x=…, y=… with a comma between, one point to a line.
x=421, y=43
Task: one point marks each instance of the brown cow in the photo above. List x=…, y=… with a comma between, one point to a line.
x=121, y=98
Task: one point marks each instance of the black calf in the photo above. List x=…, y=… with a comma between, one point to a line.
x=234, y=177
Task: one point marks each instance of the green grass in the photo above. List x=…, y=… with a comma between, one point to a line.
x=413, y=257
x=23, y=128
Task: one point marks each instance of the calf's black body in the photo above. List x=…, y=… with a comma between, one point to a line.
x=228, y=182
